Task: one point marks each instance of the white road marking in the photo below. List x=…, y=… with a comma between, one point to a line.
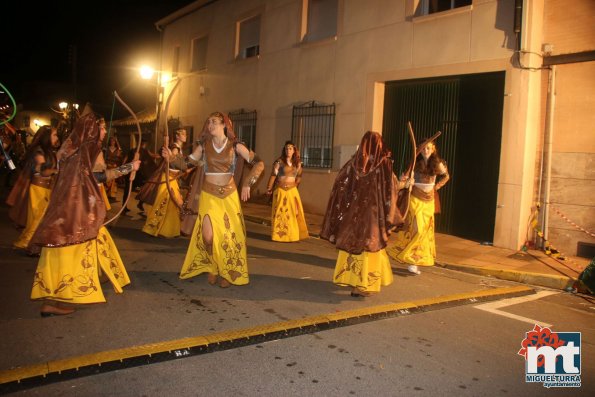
x=493, y=307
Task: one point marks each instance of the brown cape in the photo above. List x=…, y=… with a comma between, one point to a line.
x=76, y=209
x=362, y=207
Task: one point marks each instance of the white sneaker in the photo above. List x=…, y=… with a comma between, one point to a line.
x=413, y=269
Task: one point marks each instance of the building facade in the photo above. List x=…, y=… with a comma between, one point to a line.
x=322, y=72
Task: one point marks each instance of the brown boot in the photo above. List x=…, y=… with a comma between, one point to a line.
x=51, y=310
x=359, y=293
x=212, y=278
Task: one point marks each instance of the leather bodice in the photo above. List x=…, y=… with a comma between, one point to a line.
x=223, y=162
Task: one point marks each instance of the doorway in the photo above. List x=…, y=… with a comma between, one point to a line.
x=468, y=110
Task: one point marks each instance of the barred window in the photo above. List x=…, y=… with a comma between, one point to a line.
x=244, y=125
x=313, y=128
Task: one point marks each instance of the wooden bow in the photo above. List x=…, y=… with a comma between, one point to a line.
x=411, y=169
x=166, y=144
x=136, y=156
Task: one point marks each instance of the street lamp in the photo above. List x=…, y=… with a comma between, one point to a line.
x=147, y=73
x=68, y=112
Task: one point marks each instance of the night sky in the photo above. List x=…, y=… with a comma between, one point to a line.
x=111, y=40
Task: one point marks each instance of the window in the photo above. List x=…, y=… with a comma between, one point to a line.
x=244, y=125
x=175, y=62
x=433, y=6
x=26, y=121
x=319, y=18
x=313, y=128
x=199, y=54
x=248, y=38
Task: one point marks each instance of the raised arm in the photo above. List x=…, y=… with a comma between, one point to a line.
x=274, y=173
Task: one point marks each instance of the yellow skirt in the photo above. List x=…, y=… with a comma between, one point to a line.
x=416, y=245
x=39, y=198
x=289, y=223
x=163, y=218
x=366, y=271
x=111, y=188
x=71, y=273
x=108, y=206
x=227, y=256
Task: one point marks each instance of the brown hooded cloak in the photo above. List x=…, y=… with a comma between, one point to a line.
x=362, y=208
x=76, y=209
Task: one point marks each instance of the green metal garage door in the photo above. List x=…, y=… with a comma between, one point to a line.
x=468, y=111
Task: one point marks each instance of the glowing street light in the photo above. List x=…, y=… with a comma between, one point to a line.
x=147, y=72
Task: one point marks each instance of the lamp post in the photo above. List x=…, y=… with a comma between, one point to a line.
x=68, y=113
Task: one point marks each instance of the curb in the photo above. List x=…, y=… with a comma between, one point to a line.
x=107, y=361
x=542, y=280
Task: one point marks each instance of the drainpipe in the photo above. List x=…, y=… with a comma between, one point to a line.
x=548, y=143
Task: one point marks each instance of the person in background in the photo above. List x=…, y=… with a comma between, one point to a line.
x=361, y=212
x=41, y=166
x=415, y=244
x=218, y=238
x=288, y=220
x=163, y=219
x=113, y=159
x=147, y=169
x=76, y=247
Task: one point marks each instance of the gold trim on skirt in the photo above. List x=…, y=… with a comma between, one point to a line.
x=39, y=198
x=366, y=271
x=163, y=218
x=226, y=256
x=289, y=222
x=71, y=273
x=416, y=245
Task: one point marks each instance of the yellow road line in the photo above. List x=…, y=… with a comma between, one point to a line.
x=182, y=346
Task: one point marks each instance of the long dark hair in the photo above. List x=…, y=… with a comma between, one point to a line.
x=43, y=141
x=432, y=165
x=295, y=158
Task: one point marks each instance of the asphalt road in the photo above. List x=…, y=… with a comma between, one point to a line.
x=454, y=350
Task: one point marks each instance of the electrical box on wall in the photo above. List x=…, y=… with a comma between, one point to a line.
x=341, y=154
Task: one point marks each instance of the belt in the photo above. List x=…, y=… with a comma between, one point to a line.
x=420, y=194
x=287, y=186
x=220, y=191
x=42, y=181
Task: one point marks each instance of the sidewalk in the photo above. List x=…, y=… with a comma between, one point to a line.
x=532, y=267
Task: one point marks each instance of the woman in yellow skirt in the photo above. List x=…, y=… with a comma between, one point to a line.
x=218, y=238
x=41, y=166
x=361, y=212
x=163, y=218
x=76, y=247
x=288, y=221
x=415, y=244
x=113, y=159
